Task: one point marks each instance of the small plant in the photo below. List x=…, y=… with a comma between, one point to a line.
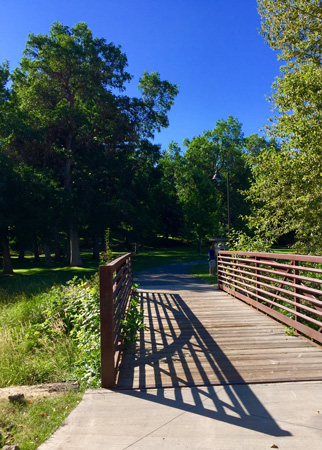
x=107, y=255
x=290, y=331
x=132, y=323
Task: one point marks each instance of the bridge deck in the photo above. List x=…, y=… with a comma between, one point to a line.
x=206, y=337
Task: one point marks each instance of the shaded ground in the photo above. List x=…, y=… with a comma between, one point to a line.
x=170, y=276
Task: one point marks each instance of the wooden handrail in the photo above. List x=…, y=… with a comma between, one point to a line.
x=116, y=280
x=287, y=290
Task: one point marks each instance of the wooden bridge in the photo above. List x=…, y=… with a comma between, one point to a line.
x=197, y=335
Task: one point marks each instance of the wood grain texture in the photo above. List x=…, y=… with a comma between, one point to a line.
x=210, y=338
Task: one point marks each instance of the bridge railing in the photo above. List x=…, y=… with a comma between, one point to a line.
x=285, y=287
x=116, y=281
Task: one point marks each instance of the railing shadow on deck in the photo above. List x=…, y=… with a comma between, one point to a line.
x=241, y=406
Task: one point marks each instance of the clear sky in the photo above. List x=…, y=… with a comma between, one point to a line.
x=211, y=48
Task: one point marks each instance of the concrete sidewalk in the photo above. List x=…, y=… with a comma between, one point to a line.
x=287, y=415
x=242, y=417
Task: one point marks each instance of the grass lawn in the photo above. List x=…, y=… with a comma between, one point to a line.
x=31, y=422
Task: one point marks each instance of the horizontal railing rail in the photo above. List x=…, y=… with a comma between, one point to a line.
x=116, y=281
x=285, y=287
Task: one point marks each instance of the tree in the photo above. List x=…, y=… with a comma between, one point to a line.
x=254, y=144
x=203, y=201
x=61, y=83
x=169, y=207
x=293, y=27
x=72, y=120
x=288, y=184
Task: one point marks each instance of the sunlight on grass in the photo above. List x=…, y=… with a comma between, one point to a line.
x=201, y=271
x=34, y=420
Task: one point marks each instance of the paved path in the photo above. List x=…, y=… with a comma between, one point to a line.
x=245, y=417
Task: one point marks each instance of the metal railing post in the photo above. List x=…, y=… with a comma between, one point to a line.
x=108, y=371
x=296, y=300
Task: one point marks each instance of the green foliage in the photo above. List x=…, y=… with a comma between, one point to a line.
x=204, y=201
x=133, y=322
x=293, y=27
x=76, y=306
x=289, y=331
x=30, y=355
x=107, y=255
x=158, y=97
x=65, y=111
x=240, y=241
x=286, y=192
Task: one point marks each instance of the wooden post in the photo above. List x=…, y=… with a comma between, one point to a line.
x=108, y=371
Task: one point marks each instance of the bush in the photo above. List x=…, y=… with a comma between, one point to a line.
x=76, y=307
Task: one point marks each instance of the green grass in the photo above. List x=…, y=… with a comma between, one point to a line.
x=27, y=356
x=286, y=250
x=154, y=257
x=202, y=271
x=31, y=422
x=32, y=278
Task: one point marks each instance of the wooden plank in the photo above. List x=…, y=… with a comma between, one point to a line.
x=212, y=338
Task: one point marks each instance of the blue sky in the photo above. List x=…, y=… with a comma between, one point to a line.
x=211, y=48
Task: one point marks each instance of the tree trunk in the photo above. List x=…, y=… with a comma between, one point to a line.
x=57, y=246
x=48, y=260
x=199, y=248
x=68, y=248
x=36, y=252
x=75, y=257
x=7, y=265
x=96, y=247
x=21, y=254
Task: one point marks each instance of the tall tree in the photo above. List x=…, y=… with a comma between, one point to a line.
x=7, y=181
x=60, y=83
x=169, y=206
x=66, y=89
x=288, y=184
